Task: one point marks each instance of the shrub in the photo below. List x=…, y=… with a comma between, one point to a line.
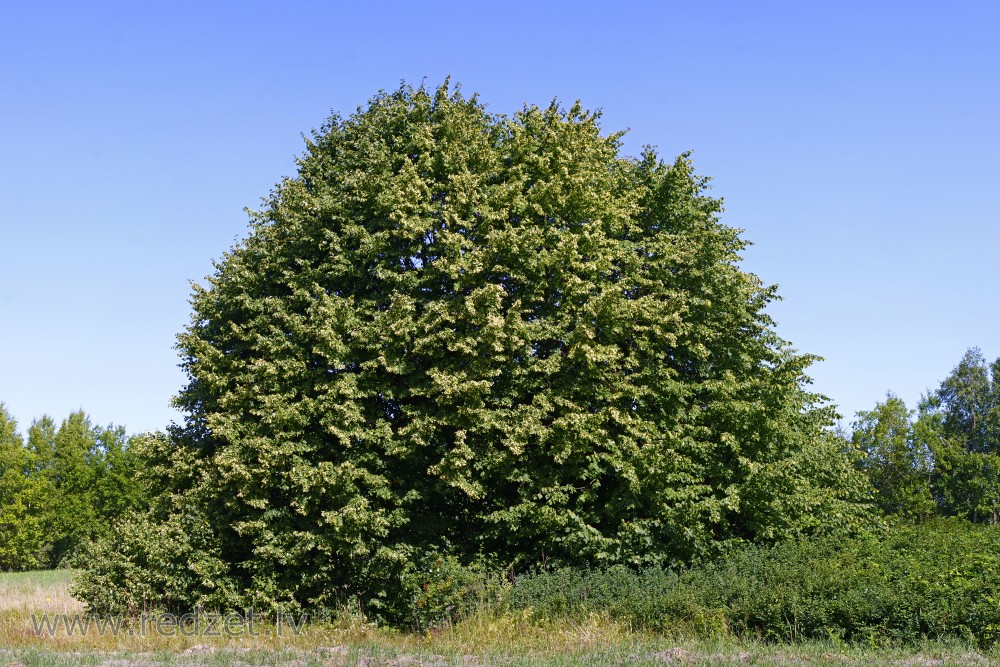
x=933, y=581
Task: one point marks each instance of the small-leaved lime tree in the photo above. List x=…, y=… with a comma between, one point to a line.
x=461, y=335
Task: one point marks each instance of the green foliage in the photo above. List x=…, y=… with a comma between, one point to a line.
x=652, y=599
x=966, y=483
x=72, y=477
x=459, y=333
x=897, y=461
x=22, y=536
x=961, y=421
x=968, y=402
x=443, y=591
x=61, y=489
x=117, y=473
x=948, y=458
x=933, y=581
x=149, y=566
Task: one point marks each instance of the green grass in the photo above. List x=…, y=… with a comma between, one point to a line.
x=34, y=579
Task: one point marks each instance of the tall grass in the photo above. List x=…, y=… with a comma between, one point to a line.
x=45, y=591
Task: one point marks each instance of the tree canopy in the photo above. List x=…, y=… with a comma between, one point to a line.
x=897, y=460
x=455, y=332
x=61, y=488
x=946, y=458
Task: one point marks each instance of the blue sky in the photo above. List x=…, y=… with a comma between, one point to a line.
x=855, y=142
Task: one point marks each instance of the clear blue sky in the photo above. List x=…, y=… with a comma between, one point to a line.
x=857, y=144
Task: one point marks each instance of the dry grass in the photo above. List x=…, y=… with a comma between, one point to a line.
x=484, y=640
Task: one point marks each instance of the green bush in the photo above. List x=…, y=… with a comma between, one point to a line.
x=444, y=591
x=934, y=581
x=654, y=599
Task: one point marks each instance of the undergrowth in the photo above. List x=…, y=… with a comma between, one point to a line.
x=931, y=582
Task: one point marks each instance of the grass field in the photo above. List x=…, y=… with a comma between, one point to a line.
x=26, y=592
x=481, y=641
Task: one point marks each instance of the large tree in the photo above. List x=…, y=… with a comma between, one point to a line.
x=465, y=333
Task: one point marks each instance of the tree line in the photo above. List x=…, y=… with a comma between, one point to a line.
x=944, y=456
x=61, y=486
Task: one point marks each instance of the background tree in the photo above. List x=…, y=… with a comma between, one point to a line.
x=22, y=499
x=897, y=461
x=461, y=333
x=969, y=403
x=42, y=444
x=72, y=475
x=117, y=476
x=960, y=421
x=951, y=449
x=62, y=488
